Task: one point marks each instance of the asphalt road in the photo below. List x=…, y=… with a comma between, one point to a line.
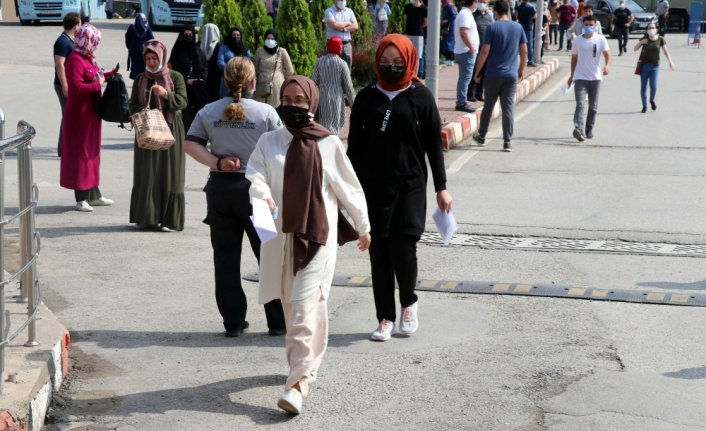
x=148, y=352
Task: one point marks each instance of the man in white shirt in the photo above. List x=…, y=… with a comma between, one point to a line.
x=466, y=42
x=586, y=76
x=341, y=22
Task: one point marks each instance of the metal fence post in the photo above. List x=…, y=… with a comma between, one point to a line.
x=29, y=281
x=3, y=331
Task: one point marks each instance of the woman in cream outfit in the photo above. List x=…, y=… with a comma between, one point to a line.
x=303, y=285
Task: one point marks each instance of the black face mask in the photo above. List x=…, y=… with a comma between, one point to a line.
x=189, y=40
x=294, y=116
x=390, y=73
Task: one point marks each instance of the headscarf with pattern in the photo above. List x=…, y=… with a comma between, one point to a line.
x=161, y=77
x=86, y=40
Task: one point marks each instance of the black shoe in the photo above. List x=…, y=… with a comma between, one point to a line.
x=654, y=105
x=507, y=146
x=277, y=331
x=578, y=134
x=465, y=108
x=531, y=64
x=644, y=109
x=621, y=53
x=480, y=98
x=480, y=140
x=232, y=333
x=589, y=134
x=472, y=99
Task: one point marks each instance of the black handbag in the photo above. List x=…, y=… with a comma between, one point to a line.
x=113, y=105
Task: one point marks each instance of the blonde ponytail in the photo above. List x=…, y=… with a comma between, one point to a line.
x=238, y=73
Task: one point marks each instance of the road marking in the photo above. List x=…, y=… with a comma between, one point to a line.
x=458, y=163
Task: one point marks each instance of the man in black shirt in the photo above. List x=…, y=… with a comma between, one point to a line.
x=526, y=14
x=622, y=18
x=62, y=48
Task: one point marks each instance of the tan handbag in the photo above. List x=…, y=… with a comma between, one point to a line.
x=151, y=129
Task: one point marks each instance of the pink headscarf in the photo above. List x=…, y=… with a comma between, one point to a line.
x=161, y=77
x=86, y=40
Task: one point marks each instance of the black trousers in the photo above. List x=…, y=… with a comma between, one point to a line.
x=662, y=22
x=62, y=101
x=474, y=89
x=393, y=257
x=228, y=216
x=89, y=195
x=622, y=34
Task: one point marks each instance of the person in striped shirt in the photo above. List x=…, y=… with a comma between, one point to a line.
x=332, y=76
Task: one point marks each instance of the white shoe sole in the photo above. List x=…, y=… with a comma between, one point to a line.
x=380, y=337
x=288, y=407
x=400, y=331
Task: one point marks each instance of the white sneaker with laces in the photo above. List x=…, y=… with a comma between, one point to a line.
x=384, y=331
x=83, y=207
x=290, y=401
x=409, y=322
x=102, y=202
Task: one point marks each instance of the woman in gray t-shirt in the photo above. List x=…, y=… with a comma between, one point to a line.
x=232, y=127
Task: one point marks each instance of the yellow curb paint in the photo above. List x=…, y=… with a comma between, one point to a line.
x=682, y=299
x=577, y=291
x=655, y=297
x=357, y=280
x=522, y=288
x=599, y=293
x=450, y=285
x=428, y=284
x=501, y=287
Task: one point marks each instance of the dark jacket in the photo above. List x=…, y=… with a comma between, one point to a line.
x=389, y=156
x=135, y=45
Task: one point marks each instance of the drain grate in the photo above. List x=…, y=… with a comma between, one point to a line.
x=565, y=244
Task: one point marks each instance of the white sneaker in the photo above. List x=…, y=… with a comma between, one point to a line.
x=384, y=331
x=409, y=322
x=102, y=202
x=290, y=401
x=166, y=229
x=83, y=207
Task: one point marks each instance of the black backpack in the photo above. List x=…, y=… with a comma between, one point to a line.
x=113, y=106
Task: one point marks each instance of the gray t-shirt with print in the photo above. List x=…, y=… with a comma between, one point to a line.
x=233, y=138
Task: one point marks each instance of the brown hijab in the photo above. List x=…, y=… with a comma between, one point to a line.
x=303, y=207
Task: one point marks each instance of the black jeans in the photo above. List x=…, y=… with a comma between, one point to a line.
x=228, y=216
x=622, y=34
x=393, y=257
x=62, y=102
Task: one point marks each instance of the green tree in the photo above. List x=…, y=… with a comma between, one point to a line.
x=396, y=20
x=318, y=15
x=255, y=23
x=364, y=35
x=296, y=34
x=223, y=13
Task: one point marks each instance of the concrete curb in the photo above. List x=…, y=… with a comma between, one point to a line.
x=34, y=373
x=453, y=133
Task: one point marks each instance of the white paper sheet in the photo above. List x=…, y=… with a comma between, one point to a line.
x=262, y=220
x=567, y=89
x=446, y=224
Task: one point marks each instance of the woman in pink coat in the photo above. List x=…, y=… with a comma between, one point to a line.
x=81, y=128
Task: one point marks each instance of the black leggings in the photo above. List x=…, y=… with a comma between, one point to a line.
x=390, y=258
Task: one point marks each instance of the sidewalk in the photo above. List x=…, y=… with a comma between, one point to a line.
x=458, y=126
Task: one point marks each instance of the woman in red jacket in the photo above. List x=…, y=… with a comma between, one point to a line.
x=81, y=127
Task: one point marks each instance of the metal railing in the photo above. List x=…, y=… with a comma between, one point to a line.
x=29, y=238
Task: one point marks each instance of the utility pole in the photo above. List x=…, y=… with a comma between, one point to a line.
x=433, y=32
x=538, y=32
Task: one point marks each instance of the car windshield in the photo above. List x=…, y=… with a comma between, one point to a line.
x=630, y=4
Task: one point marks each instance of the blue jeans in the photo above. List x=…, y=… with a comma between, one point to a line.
x=583, y=90
x=529, y=34
x=649, y=72
x=465, y=62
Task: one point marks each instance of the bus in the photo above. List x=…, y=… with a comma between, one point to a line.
x=30, y=11
x=173, y=13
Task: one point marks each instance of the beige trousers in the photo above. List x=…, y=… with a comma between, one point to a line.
x=307, y=331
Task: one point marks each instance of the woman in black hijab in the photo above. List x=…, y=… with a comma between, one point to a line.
x=232, y=47
x=188, y=59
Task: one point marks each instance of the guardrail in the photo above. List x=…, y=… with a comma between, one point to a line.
x=29, y=239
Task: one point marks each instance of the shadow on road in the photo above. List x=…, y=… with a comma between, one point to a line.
x=688, y=373
x=697, y=285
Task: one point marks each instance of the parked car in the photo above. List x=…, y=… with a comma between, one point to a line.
x=678, y=19
x=603, y=10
